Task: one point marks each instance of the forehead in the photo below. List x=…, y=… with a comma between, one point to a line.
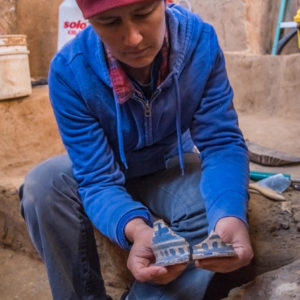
x=128, y=9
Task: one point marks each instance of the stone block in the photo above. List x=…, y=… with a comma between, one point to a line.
x=279, y=284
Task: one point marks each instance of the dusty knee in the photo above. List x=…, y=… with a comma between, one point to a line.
x=42, y=185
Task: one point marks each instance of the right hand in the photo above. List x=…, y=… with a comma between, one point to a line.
x=141, y=258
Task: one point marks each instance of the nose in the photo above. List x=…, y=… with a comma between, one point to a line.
x=132, y=35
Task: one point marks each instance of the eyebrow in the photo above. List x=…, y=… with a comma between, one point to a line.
x=145, y=5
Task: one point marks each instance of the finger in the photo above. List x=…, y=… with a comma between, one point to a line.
x=150, y=273
x=163, y=281
x=226, y=264
x=245, y=254
x=173, y=272
x=176, y=268
x=220, y=265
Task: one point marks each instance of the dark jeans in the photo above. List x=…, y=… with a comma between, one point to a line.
x=63, y=234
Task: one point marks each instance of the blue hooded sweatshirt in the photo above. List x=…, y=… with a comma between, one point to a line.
x=108, y=142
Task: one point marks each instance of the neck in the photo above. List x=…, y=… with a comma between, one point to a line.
x=140, y=74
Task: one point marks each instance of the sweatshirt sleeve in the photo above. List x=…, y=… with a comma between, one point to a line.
x=215, y=131
x=101, y=182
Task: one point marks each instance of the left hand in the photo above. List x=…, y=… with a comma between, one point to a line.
x=233, y=231
x=141, y=258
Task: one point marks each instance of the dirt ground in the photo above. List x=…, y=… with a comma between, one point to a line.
x=274, y=226
x=22, y=277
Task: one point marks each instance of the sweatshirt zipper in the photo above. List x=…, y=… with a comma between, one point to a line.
x=146, y=103
x=146, y=106
x=147, y=119
x=147, y=109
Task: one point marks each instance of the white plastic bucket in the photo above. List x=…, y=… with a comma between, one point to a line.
x=14, y=67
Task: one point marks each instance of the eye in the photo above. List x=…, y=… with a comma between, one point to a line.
x=142, y=15
x=107, y=22
x=145, y=13
x=111, y=23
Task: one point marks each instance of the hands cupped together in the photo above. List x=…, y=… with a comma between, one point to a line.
x=141, y=258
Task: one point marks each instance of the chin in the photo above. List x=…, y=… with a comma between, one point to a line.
x=139, y=63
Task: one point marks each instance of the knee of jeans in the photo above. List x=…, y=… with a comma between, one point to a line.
x=34, y=189
x=39, y=191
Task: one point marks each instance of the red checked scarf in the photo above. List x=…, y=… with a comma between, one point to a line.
x=120, y=81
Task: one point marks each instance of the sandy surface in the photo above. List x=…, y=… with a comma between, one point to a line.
x=274, y=226
x=22, y=277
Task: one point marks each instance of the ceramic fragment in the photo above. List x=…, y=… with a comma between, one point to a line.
x=168, y=247
x=212, y=246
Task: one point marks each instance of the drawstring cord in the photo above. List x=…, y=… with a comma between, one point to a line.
x=178, y=129
x=178, y=126
x=119, y=132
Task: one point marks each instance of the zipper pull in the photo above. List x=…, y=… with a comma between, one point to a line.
x=147, y=109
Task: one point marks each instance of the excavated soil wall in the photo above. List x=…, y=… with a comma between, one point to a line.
x=242, y=25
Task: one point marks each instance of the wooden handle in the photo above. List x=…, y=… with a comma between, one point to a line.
x=269, y=193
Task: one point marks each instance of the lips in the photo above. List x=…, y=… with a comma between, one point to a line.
x=139, y=52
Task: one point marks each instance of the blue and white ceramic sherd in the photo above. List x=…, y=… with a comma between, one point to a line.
x=212, y=246
x=168, y=247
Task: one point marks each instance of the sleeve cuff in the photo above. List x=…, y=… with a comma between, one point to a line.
x=231, y=204
x=138, y=213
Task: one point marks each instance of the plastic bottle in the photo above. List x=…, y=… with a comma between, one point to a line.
x=70, y=22
x=297, y=20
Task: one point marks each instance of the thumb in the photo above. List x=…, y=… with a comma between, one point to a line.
x=150, y=273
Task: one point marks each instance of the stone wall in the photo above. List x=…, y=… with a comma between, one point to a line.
x=276, y=285
x=265, y=83
x=38, y=20
x=30, y=134
x=246, y=25
x=7, y=16
x=228, y=18
x=242, y=25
